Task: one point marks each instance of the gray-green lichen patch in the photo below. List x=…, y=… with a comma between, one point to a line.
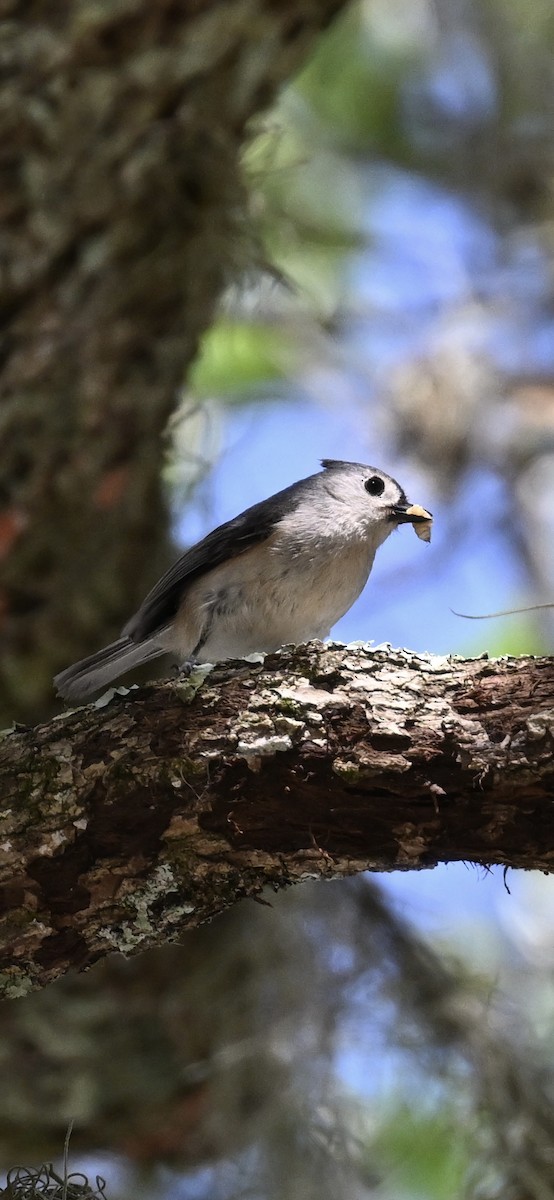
x=154, y=907
x=263, y=747
x=15, y=984
x=541, y=724
x=187, y=686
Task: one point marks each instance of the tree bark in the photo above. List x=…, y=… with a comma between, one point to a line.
x=125, y=824
x=124, y=216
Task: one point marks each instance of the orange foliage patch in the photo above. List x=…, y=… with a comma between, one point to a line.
x=12, y=523
x=111, y=487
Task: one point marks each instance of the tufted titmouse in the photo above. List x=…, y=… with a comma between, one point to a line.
x=283, y=571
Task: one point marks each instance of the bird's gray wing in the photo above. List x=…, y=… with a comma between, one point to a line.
x=249, y=529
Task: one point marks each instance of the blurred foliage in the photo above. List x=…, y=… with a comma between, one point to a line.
x=424, y=1151
x=354, y=83
x=515, y=635
x=237, y=355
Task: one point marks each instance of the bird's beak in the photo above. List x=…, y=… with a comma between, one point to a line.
x=412, y=513
x=417, y=516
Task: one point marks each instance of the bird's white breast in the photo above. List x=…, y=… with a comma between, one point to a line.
x=280, y=592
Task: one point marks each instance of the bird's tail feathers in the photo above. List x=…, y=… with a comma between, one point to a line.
x=95, y=672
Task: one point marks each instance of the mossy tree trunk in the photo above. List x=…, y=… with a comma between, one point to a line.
x=124, y=215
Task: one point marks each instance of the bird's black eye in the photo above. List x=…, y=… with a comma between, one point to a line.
x=375, y=485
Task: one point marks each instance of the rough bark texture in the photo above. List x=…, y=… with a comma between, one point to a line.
x=123, y=216
x=125, y=825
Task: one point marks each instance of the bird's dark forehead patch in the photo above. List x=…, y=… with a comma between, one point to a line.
x=338, y=464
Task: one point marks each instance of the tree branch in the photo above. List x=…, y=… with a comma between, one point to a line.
x=122, y=825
